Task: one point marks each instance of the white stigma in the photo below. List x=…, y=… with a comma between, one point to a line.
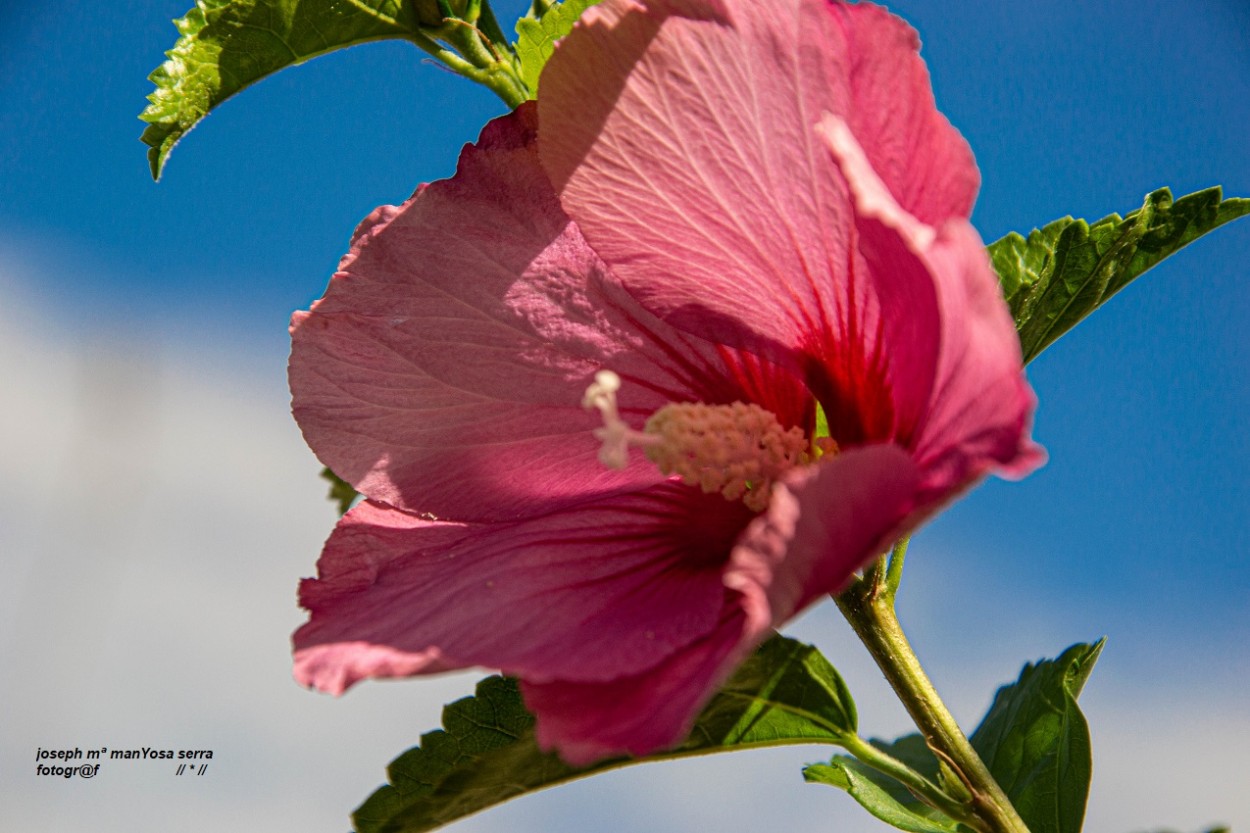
x=615, y=434
x=736, y=450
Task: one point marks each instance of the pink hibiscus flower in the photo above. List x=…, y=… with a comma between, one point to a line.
x=718, y=215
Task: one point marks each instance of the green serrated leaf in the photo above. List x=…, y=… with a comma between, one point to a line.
x=1067, y=269
x=227, y=45
x=1035, y=741
x=869, y=788
x=341, y=492
x=881, y=794
x=786, y=693
x=913, y=751
x=536, y=37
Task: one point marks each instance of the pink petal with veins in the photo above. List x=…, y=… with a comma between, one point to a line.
x=718, y=201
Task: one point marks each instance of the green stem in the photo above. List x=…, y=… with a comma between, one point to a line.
x=503, y=82
x=921, y=787
x=470, y=43
x=499, y=76
x=489, y=24
x=869, y=607
x=894, y=572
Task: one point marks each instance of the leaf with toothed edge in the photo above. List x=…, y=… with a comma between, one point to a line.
x=536, y=37
x=1065, y=270
x=884, y=797
x=227, y=45
x=1036, y=744
x=878, y=794
x=1034, y=740
x=785, y=693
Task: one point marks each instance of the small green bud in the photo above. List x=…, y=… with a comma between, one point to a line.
x=431, y=13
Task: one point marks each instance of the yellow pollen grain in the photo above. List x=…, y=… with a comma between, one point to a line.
x=736, y=450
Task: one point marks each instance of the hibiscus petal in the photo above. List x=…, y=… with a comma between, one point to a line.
x=982, y=405
x=638, y=714
x=924, y=161
x=685, y=150
x=444, y=369
x=979, y=405
x=824, y=522
x=590, y=593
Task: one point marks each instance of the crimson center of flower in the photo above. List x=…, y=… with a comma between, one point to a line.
x=738, y=450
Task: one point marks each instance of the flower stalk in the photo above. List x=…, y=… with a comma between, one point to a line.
x=921, y=787
x=868, y=605
x=479, y=49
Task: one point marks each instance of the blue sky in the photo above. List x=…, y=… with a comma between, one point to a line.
x=1136, y=528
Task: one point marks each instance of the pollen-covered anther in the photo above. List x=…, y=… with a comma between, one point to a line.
x=737, y=450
